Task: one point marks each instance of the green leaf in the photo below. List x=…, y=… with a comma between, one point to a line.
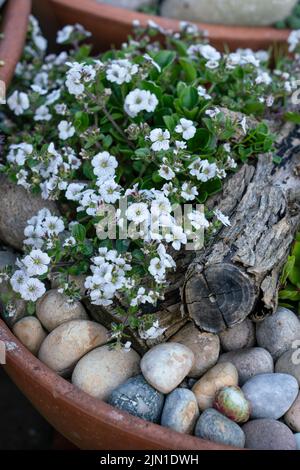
x=122, y=246
x=189, y=69
x=189, y=97
x=143, y=152
x=292, y=117
x=164, y=58
x=153, y=88
x=288, y=267
x=171, y=122
x=81, y=121
x=294, y=276
x=79, y=232
x=290, y=294
x=87, y=170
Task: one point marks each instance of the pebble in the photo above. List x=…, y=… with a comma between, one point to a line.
x=297, y=437
x=30, y=332
x=239, y=336
x=231, y=402
x=229, y=12
x=166, y=365
x=65, y=345
x=17, y=206
x=138, y=398
x=249, y=362
x=181, y=411
x=278, y=332
x=215, y=427
x=270, y=395
x=53, y=309
x=221, y=375
x=205, y=346
x=289, y=363
x=101, y=371
x=292, y=417
x=268, y=434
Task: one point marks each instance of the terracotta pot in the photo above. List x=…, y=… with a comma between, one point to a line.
x=110, y=25
x=85, y=421
x=14, y=27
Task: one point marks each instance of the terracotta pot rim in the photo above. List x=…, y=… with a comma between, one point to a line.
x=17, y=356
x=14, y=26
x=216, y=32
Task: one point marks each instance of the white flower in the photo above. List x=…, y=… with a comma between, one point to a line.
x=18, y=102
x=53, y=225
x=188, y=192
x=74, y=190
x=203, y=93
x=293, y=40
x=37, y=89
x=198, y=220
x=157, y=269
x=160, y=139
x=64, y=34
x=227, y=147
x=42, y=114
x=186, y=128
x=18, y=280
x=140, y=100
x=110, y=191
x=206, y=51
x=52, y=97
x=36, y=263
x=222, y=218
x=212, y=113
x=121, y=71
x=155, y=331
x=33, y=289
x=104, y=165
x=203, y=170
x=166, y=172
x=66, y=130
x=177, y=237
x=138, y=212
x=70, y=241
x=231, y=162
x=264, y=78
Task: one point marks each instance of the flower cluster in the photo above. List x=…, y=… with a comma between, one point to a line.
x=155, y=127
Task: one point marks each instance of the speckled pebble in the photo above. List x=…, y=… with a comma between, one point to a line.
x=181, y=411
x=239, y=336
x=166, y=365
x=270, y=395
x=249, y=362
x=289, y=363
x=268, y=434
x=292, y=417
x=215, y=427
x=278, y=332
x=297, y=437
x=138, y=398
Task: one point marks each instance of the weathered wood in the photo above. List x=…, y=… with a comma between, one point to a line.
x=240, y=271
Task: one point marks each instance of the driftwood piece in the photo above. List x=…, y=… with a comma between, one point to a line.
x=237, y=273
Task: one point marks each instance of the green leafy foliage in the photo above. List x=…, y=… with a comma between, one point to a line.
x=289, y=294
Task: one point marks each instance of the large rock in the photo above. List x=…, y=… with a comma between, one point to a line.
x=138, y=398
x=181, y=411
x=292, y=417
x=130, y=4
x=166, y=365
x=53, y=309
x=205, y=346
x=221, y=375
x=289, y=363
x=232, y=12
x=268, y=434
x=239, y=336
x=270, y=395
x=215, y=427
x=65, y=345
x=17, y=206
x=101, y=371
x=297, y=437
x=249, y=362
x=278, y=332
x=30, y=332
